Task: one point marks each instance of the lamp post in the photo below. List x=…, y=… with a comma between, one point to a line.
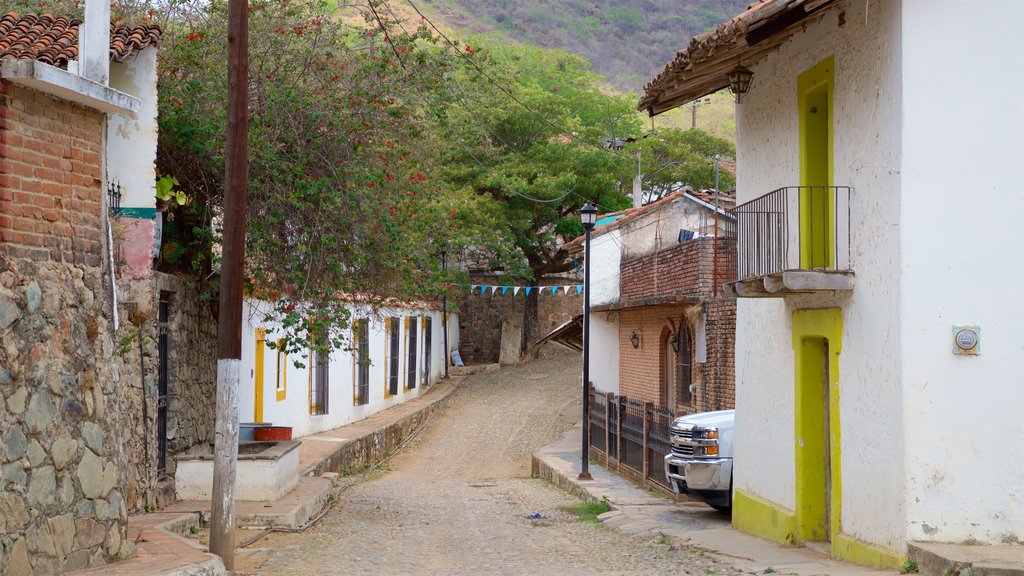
x=588, y=216
x=444, y=307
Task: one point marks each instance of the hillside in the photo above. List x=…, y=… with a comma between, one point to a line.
x=629, y=41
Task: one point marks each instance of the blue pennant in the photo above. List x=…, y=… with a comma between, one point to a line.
x=579, y=289
x=528, y=288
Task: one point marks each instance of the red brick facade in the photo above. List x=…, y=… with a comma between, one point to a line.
x=50, y=178
x=662, y=293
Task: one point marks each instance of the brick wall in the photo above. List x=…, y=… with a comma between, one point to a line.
x=642, y=370
x=50, y=178
x=682, y=269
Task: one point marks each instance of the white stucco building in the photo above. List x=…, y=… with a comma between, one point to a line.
x=892, y=134
x=404, y=354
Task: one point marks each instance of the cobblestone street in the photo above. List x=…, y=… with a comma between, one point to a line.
x=458, y=499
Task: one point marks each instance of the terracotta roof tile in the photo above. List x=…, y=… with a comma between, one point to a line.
x=54, y=39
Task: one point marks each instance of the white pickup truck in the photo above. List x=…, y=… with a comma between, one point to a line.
x=701, y=459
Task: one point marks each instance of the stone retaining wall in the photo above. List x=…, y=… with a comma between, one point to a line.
x=73, y=460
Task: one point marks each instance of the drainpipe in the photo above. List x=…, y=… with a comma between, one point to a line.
x=94, y=42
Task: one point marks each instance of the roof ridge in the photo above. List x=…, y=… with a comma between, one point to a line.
x=54, y=39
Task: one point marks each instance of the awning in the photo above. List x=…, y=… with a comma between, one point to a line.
x=569, y=335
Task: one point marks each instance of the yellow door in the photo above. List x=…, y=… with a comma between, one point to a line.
x=817, y=212
x=817, y=342
x=261, y=336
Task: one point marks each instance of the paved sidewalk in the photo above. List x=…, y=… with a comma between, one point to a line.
x=161, y=551
x=636, y=511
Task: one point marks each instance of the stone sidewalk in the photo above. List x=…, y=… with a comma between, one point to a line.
x=636, y=511
x=162, y=551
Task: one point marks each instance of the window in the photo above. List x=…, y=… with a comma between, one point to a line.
x=410, y=376
x=282, y=371
x=426, y=350
x=684, y=363
x=318, y=383
x=394, y=355
x=361, y=393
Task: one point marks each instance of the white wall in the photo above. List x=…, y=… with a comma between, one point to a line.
x=132, y=137
x=605, y=256
x=963, y=263
x=866, y=155
x=293, y=410
x=604, y=351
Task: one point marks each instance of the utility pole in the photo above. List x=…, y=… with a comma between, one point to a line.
x=693, y=110
x=229, y=322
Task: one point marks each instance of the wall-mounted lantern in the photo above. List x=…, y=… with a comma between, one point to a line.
x=739, y=82
x=635, y=340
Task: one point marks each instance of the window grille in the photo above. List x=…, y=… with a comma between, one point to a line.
x=318, y=384
x=394, y=354
x=410, y=377
x=684, y=363
x=362, y=391
x=426, y=350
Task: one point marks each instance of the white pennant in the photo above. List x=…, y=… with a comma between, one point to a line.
x=516, y=290
x=566, y=289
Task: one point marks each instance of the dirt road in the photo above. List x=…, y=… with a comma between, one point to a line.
x=459, y=499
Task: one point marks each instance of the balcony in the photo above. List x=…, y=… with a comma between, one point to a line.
x=794, y=240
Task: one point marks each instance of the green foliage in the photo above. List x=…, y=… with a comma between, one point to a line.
x=627, y=41
x=589, y=511
x=910, y=567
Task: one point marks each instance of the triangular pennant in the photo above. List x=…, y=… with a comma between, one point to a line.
x=473, y=287
x=579, y=289
x=554, y=290
x=516, y=290
x=565, y=289
x=528, y=288
x=484, y=290
x=503, y=290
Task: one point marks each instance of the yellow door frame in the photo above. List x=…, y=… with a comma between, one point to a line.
x=281, y=384
x=261, y=337
x=817, y=209
x=815, y=332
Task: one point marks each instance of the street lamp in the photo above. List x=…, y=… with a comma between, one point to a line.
x=588, y=216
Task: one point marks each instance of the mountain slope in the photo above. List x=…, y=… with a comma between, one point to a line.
x=629, y=41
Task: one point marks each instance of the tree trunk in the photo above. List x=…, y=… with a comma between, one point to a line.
x=530, y=320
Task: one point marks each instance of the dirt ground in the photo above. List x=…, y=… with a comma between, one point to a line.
x=459, y=498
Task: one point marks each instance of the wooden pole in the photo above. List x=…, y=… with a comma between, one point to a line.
x=229, y=328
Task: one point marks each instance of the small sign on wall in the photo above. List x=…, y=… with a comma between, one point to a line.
x=966, y=340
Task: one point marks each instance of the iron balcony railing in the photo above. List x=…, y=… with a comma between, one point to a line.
x=794, y=228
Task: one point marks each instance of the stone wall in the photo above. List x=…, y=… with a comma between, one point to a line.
x=76, y=452
x=481, y=317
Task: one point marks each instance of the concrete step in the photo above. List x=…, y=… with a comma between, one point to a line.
x=939, y=559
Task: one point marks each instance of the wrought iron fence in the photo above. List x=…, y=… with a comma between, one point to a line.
x=658, y=444
x=631, y=436
x=792, y=228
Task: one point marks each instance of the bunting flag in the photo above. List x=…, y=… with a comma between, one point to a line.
x=566, y=289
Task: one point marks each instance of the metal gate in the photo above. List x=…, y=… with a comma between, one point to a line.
x=161, y=398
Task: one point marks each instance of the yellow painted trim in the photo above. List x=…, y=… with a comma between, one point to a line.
x=808, y=327
x=813, y=85
x=387, y=357
x=760, y=517
x=848, y=548
x=281, y=384
x=261, y=336
x=355, y=362
x=406, y=320
x=309, y=390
